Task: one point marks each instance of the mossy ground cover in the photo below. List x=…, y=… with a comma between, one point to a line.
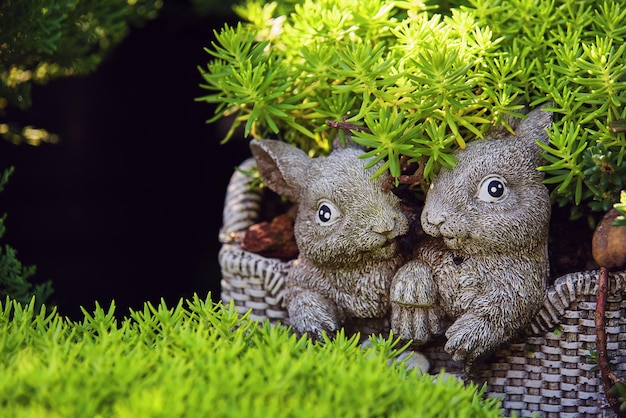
x=203, y=359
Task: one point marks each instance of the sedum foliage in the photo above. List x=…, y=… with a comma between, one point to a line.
x=425, y=81
x=203, y=359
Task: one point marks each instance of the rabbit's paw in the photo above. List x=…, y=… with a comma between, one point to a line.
x=413, y=286
x=312, y=314
x=436, y=320
x=411, y=323
x=469, y=338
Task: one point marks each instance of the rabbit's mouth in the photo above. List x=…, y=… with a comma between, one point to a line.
x=453, y=237
x=383, y=245
x=385, y=249
x=454, y=243
x=388, y=244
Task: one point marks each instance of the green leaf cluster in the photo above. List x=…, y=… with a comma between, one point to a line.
x=14, y=276
x=576, y=59
x=411, y=77
x=619, y=391
x=621, y=208
x=44, y=39
x=200, y=359
x=425, y=81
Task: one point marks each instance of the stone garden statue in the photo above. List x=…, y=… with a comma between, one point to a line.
x=345, y=229
x=480, y=274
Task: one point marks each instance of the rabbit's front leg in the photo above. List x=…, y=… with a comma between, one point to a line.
x=312, y=313
x=414, y=315
x=471, y=336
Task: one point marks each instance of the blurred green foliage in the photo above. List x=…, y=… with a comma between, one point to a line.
x=14, y=276
x=45, y=39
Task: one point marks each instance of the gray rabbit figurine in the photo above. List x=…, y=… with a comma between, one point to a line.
x=484, y=267
x=345, y=228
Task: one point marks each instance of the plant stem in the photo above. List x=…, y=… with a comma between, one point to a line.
x=608, y=378
x=347, y=126
x=617, y=126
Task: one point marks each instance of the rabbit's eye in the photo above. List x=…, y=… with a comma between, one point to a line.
x=327, y=213
x=492, y=188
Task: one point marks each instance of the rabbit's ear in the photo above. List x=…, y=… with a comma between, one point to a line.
x=535, y=126
x=282, y=166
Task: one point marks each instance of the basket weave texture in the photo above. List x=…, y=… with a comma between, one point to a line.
x=545, y=372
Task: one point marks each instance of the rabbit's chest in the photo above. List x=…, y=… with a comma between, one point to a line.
x=362, y=292
x=364, y=295
x=459, y=280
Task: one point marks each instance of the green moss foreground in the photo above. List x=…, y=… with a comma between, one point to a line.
x=201, y=359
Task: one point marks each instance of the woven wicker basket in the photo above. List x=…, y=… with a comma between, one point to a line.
x=545, y=372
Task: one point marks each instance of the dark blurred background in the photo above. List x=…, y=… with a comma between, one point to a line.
x=128, y=204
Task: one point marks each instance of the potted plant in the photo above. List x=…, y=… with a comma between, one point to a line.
x=413, y=83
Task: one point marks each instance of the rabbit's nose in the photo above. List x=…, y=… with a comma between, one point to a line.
x=434, y=218
x=432, y=222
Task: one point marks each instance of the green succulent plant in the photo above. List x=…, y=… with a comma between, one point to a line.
x=418, y=81
x=199, y=359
